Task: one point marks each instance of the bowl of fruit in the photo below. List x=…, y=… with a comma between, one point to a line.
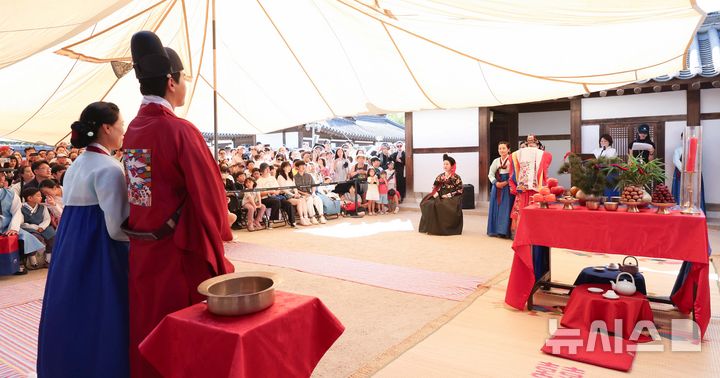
x=662, y=199
x=633, y=196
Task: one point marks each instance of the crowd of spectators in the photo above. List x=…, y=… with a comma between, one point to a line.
x=35, y=180
x=294, y=181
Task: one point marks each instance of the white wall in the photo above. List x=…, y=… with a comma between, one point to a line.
x=428, y=166
x=544, y=123
x=445, y=128
x=275, y=140
x=642, y=105
x=711, y=159
x=291, y=139
x=590, y=135
x=549, y=123
x=710, y=100
x=558, y=149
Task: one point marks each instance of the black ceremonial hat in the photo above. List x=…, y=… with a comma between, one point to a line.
x=449, y=159
x=150, y=58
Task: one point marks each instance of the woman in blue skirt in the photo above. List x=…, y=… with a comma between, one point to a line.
x=84, y=321
x=501, y=201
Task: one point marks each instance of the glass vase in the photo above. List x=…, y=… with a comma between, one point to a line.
x=691, y=170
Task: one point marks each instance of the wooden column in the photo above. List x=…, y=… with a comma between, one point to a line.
x=576, y=125
x=483, y=155
x=693, y=107
x=513, y=130
x=409, y=161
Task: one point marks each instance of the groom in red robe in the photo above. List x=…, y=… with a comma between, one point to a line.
x=178, y=215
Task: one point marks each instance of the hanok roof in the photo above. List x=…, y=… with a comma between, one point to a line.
x=364, y=127
x=703, y=58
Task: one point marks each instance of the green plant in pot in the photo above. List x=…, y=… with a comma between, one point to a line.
x=589, y=176
x=636, y=178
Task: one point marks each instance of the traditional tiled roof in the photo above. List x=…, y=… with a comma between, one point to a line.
x=365, y=127
x=209, y=135
x=703, y=58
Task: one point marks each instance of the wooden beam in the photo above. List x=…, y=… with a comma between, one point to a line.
x=705, y=116
x=442, y=150
x=543, y=138
x=666, y=118
x=482, y=149
x=693, y=107
x=576, y=125
x=409, y=161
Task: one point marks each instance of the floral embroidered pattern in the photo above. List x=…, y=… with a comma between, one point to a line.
x=138, y=169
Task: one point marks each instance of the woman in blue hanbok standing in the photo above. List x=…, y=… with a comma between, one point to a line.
x=84, y=322
x=501, y=201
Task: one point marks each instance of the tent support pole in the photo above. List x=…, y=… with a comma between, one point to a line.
x=215, y=113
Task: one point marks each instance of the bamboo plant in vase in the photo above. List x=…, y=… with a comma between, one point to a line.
x=635, y=180
x=588, y=177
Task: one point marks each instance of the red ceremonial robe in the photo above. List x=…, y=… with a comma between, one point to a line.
x=168, y=165
x=523, y=197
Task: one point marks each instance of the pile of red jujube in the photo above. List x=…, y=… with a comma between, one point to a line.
x=662, y=194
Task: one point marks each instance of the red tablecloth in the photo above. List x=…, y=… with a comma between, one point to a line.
x=585, y=307
x=286, y=340
x=674, y=236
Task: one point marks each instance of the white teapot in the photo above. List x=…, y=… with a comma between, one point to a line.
x=624, y=287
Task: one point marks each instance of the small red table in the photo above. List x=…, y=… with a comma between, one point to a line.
x=674, y=236
x=585, y=307
x=286, y=340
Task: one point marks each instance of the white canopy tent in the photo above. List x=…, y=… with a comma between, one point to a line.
x=285, y=63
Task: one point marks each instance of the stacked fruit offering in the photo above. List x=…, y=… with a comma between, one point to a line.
x=662, y=194
x=632, y=194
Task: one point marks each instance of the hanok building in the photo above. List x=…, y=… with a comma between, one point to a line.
x=667, y=103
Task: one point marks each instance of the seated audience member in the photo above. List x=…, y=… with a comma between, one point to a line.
x=63, y=159
x=12, y=217
x=26, y=176
x=228, y=180
x=351, y=202
x=304, y=182
x=42, y=172
x=253, y=204
x=256, y=174
x=331, y=200
x=36, y=221
x=73, y=156
x=273, y=198
x=51, y=157
x=249, y=168
x=12, y=169
x=240, y=181
x=52, y=192
x=285, y=178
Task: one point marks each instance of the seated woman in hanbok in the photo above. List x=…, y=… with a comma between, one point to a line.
x=84, y=320
x=528, y=172
x=442, y=208
x=501, y=200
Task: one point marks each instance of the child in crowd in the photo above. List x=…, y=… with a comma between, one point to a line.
x=37, y=222
x=53, y=200
x=348, y=204
x=393, y=194
x=372, y=195
x=255, y=174
x=383, y=192
x=255, y=208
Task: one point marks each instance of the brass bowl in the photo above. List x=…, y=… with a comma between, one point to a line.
x=611, y=206
x=567, y=203
x=662, y=207
x=592, y=205
x=239, y=293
